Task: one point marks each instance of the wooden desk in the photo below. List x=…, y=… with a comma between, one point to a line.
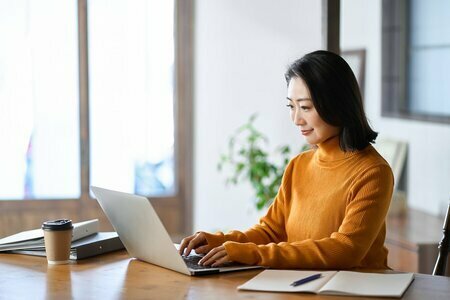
x=116, y=276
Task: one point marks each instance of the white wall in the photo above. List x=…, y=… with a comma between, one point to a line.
x=242, y=48
x=428, y=176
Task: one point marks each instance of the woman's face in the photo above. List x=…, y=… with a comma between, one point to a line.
x=305, y=116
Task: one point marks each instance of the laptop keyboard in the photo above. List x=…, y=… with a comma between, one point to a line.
x=192, y=262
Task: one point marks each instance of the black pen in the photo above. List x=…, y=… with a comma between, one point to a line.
x=306, y=279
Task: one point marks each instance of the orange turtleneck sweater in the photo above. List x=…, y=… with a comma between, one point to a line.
x=329, y=214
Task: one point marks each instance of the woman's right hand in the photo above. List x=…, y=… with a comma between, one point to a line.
x=196, y=242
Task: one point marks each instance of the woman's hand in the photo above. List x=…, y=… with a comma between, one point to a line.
x=196, y=242
x=215, y=258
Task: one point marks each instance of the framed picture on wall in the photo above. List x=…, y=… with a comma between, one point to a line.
x=357, y=60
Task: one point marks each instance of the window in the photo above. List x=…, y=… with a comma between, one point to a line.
x=131, y=95
x=90, y=96
x=416, y=59
x=39, y=110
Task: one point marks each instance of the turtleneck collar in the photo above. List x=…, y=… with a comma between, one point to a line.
x=330, y=150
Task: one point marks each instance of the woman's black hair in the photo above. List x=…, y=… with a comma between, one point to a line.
x=336, y=96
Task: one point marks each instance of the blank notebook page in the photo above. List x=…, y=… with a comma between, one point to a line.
x=368, y=284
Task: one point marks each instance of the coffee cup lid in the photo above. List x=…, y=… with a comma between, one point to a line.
x=62, y=224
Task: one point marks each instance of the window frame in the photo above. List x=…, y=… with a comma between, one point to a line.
x=395, y=57
x=175, y=211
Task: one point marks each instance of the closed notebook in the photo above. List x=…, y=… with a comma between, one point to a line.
x=95, y=244
x=332, y=283
x=32, y=239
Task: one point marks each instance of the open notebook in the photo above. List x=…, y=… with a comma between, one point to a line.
x=332, y=283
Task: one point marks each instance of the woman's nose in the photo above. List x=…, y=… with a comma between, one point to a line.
x=298, y=119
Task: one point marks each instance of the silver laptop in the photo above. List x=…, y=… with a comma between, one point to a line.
x=145, y=237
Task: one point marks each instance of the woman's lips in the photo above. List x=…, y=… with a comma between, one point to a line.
x=306, y=132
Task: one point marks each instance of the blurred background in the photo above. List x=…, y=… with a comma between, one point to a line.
x=142, y=96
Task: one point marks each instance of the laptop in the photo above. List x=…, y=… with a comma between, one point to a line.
x=144, y=236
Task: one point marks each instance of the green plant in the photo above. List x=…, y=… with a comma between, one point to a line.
x=249, y=161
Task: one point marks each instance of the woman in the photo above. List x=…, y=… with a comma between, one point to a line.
x=331, y=206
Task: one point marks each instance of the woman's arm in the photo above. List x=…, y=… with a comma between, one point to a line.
x=271, y=227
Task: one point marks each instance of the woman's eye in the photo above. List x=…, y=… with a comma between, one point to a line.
x=290, y=106
x=305, y=108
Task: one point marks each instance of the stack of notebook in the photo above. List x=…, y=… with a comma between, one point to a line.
x=87, y=241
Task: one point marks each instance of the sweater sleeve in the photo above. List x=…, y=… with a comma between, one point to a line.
x=365, y=214
x=271, y=227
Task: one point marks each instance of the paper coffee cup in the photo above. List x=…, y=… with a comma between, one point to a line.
x=58, y=240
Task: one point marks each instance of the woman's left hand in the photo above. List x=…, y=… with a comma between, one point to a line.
x=215, y=258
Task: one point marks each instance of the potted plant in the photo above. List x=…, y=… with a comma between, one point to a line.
x=247, y=160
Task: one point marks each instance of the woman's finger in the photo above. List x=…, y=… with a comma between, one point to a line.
x=202, y=249
x=213, y=255
x=219, y=255
x=208, y=255
x=198, y=240
x=184, y=243
x=221, y=261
